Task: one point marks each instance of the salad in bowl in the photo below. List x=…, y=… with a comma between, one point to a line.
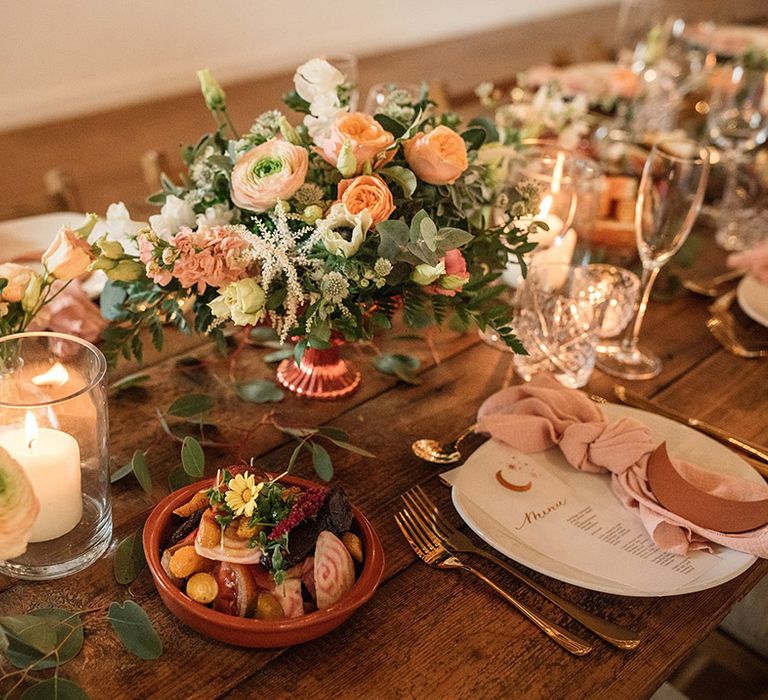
x=262, y=561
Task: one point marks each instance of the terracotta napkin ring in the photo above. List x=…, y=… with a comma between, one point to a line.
x=699, y=507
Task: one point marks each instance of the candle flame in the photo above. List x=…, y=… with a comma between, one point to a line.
x=31, y=431
x=557, y=173
x=546, y=205
x=57, y=375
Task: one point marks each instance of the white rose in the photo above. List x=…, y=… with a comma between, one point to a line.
x=316, y=77
x=242, y=302
x=343, y=233
x=174, y=214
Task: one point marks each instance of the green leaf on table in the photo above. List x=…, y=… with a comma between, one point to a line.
x=298, y=433
x=321, y=461
x=135, y=630
x=333, y=433
x=190, y=405
x=278, y=355
x=120, y=473
x=401, y=365
x=44, y=638
x=294, y=456
x=349, y=447
x=132, y=380
x=192, y=457
x=129, y=558
x=141, y=471
x=259, y=391
x=3, y=640
x=265, y=337
x=55, y=688
x=178, y=479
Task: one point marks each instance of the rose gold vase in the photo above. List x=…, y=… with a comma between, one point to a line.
x=322, y=375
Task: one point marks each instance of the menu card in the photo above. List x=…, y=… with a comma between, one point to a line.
x=587, y=529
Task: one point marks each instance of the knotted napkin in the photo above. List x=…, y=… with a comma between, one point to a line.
x=543, y=414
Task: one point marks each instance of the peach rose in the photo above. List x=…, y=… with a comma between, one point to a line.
x=273, y=170
x=365, y=135
x=438, y=157
x=69, y=256
x=367, y=192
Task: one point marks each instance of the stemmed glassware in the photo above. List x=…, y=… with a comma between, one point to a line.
x=669, y=199
x=347, y=64
x=737, y=123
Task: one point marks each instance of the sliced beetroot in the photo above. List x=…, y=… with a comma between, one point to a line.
x=288, y=594
x=334, y=570
x=308, y=576
x=335, y=516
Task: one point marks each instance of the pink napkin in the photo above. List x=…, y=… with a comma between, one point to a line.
x=754, y=261
x=73, y=312
x=543, y=413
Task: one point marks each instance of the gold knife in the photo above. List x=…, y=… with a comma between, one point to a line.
x=631, y=398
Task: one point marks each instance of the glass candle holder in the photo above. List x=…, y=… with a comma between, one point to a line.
x=53, y=422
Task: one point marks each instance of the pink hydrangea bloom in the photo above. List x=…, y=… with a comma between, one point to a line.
x=209, y=256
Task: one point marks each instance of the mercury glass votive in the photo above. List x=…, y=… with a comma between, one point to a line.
x=53, y=422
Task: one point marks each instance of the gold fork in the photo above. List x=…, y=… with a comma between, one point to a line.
x=455, y=541
x=726, y=337
x=431, y=552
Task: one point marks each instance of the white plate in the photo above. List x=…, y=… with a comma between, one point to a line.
x=753, y=299
x=594, y=488
x=728, y=40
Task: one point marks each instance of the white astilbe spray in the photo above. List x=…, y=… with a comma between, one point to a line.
x=279, y=256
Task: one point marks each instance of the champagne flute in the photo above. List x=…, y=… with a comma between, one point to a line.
x=670, y=194
x=737, y=123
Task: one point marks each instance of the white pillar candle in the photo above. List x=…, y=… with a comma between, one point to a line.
x=51, y=459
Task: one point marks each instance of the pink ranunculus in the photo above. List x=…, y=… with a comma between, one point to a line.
x=69, y=256
x=271, y=171
x=365, y=135
x=754, y=261
x=455, y=277
x=209, y=257
x=438, y=157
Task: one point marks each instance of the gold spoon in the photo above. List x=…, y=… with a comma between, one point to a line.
x=441, y=452
x=711, y=287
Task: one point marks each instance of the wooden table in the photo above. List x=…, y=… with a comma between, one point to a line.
x=425, y=633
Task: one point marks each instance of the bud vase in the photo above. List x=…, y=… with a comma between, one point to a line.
x=322, y=374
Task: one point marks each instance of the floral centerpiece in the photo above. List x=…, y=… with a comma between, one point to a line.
x=326, y=229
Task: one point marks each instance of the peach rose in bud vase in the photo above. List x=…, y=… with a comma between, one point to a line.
x=364, y=137
x=367, y=192
x=271, y=171
x=17, y=279
x=438, y=157
x=70, y=256
x=455, y=276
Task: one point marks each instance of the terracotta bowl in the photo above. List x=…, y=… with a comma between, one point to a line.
x=247, y=632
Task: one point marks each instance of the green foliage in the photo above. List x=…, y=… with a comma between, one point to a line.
x=192, y=457
x=260, y=390
x=54, y=689
x=129, y=558
x=402, y=366
x=135, y=630
x=190, y=405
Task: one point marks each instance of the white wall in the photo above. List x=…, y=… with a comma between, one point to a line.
x=65, y=57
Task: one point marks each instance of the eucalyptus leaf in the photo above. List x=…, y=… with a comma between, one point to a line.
x=322, y=463
x=403, y=177
x=131, y=380
x=265, y=337
x=34, y=632
x=278, y=355
x=393, y=235
x=349, y=447
x=141, y=471
x=135, y=630
x=45, y=638
x=400, y=365
x=333, y=433
x=450, y=238
x=298, y=351
x=192, y=457
x=55, y=688
x=428, y=232
x=129, y=558
x=259, y=391
x=391, y=125
x=190, y=405
x=474, y=137
x=178, y=479
x=415, y=227
x=299, y=432
x=112, y=301
x=120, y=473
x=3, y=640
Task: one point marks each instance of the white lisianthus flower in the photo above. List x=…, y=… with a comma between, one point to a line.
x=343, y=233
x=316, y=77
x=217, y=215
x=121, y=228
x=174, y=214
x=242, y=302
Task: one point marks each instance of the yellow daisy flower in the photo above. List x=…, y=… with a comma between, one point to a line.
x=241, y=494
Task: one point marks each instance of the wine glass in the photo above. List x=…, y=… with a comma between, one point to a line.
x=669, y=198
x=737, y=123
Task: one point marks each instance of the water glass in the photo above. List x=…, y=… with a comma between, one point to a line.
x=53, y=422
x=612, y=291
x=384, y=97
x=556, y=323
